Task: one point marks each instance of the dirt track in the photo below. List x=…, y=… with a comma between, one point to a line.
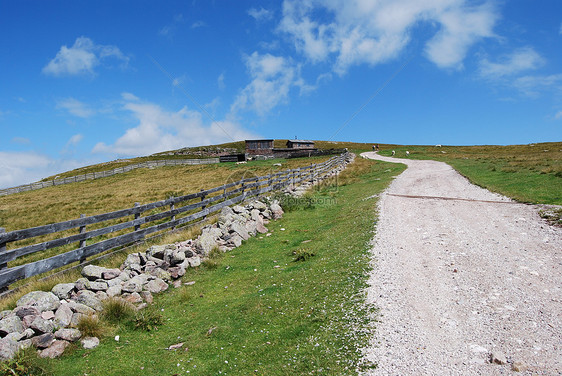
x=456, y=280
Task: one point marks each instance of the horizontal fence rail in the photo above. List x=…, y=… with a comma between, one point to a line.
x=177, y=212
x=104, y=174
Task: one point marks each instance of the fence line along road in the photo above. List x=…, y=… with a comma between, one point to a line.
x=162, y=215
x=104, y=174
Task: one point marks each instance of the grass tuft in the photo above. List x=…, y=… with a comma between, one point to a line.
x=25, y=363
x=117, y=310
x=148, y=319
x=91, y=326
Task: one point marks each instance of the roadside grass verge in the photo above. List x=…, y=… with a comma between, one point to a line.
x=258, y=310
x=527, y=173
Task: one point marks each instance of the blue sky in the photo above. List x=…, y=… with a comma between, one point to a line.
x=90, y=81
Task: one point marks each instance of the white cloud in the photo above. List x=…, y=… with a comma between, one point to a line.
x=170, y=29
x=160, y=130
x=198, y=24
x=220, y=81
x=129, y=97
x=352, y=32
x=272, y=78
x=75, y=107
x=520, y=60
x=261, y=14
x=82, y=58
x=534, y=85
x=75, y=140
x=17, y=168
x=558, y=115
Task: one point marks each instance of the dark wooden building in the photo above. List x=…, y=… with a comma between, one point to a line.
x=259, y=147
x=300, y=144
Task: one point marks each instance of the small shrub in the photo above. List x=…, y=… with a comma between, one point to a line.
x=303, y=254
x=148, y=319
x=25, y=363
x=90, y=326
x=116, y=310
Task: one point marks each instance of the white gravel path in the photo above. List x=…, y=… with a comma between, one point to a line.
x=456, y=280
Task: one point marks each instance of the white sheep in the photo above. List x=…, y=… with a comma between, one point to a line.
x=407, y=153
x=393, y=153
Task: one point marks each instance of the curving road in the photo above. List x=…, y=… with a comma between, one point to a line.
x=458, y=279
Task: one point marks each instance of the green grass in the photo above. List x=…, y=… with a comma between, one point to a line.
x=258, y=311
x=527, y=173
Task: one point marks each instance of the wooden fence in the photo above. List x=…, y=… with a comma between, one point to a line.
x=178, y=212
x=104, y=174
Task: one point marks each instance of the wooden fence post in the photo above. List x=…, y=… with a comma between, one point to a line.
x=203, y=199
x=137, y=216
x=5, y=265
x=82, y=242
x=3, y=248
x=173, y=218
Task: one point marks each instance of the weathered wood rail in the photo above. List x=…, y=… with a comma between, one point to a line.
x=178, y=212
x=104, y=174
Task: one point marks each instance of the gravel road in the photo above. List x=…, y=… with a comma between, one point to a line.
x=458, y=280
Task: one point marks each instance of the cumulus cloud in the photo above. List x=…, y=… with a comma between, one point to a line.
x=520, y=60
x=272, y=78
x=159, y=129
x=75, y=107
x=17, y=168
x=129, y=97
x=353, y=32
x=261, y=14
x=82, y=58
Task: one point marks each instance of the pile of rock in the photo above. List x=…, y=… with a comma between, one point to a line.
x=48, y=320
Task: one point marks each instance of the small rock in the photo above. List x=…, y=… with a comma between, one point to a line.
x=109, y=274
x=55, y=350
x=8, y=348
x=63, y=315
x=70, y=335
x=158, y=251
x=63, y=290
x=43, y=341
x=93, y=272
x=98, y=286
x=519, y=367
x=147, y=296
x=157, y=285
x=194, y=261
x=43, y=301
x=133, y=298
x=82, y=284
x=90, y=342
x=80, y=308
x=177, y=284
x=114, y=291
x=498, y=357
x=176, y=272
x=27, y=320
x=6, y=313
x=48, y=315
x=89, y=299
x=101, y=295
x=11, y=324
x=42, y=326
x=23, y=311
x=131, y=287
